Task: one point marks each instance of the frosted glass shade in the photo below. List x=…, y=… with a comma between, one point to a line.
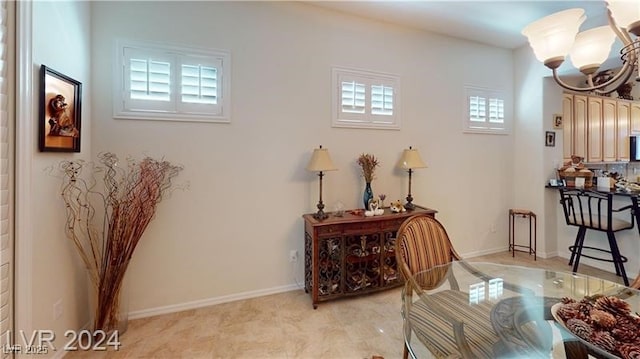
x=552, y=36
x=411, y=159
x=626, y=13
x=320, y=161
x=592, y=48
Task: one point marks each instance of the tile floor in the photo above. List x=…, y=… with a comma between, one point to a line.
x=286, y=326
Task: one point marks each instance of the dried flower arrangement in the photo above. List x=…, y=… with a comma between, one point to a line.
x=106, y=224
x=368, y=163
x=604, y=321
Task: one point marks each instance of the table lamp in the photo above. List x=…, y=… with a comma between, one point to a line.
x=320, y=162
x=410, y=159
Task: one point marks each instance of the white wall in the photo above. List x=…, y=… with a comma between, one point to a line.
x=231, y=231
x=60, y=41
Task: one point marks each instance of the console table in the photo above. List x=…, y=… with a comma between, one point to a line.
x=352, y=254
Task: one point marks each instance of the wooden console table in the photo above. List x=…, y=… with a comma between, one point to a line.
x=352, y=254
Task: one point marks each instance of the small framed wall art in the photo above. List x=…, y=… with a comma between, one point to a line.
x=550, y=139
x=60, y=109
x=557, y=121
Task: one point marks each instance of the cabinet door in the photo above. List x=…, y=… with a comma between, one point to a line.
x=580, y=125
x=567, y=126
x=635, y=118
x=609, y=131
x=623, y=127
x=594, y=130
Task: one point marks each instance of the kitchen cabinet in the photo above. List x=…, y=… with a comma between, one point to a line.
x=597, y=128
x=575, y=125
x=623, y=125
x=594, y=129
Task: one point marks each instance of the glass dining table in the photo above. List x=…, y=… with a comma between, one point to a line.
x=488, y=310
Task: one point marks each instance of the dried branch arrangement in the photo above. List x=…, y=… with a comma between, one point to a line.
x=368, y=163
x=106, y=220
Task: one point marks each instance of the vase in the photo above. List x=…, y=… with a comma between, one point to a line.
x=367, y=196
x=116, y=316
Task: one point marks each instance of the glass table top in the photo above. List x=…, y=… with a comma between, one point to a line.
x=503, y=311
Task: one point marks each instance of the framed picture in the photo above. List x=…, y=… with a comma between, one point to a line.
x=550, y=139
x=60, y=109
x=557, y=121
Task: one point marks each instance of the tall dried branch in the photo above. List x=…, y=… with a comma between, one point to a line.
x=106, y=224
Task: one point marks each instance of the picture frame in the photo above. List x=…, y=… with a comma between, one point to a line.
x=557, y=121
x=550, y=139
x=60, y=112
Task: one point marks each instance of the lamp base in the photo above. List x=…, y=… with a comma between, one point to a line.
x=320, y=215
x=409, y=206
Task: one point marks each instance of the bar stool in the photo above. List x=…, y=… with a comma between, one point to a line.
x=524, y=213
x=594, y=211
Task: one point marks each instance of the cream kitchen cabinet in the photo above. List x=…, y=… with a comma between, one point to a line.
x=635, y=117
x=623, y=125
x=575, y=125
x=594, y=129
x=598, y=128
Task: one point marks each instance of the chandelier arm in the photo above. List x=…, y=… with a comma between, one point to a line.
x=622, y=35
x=625, y=71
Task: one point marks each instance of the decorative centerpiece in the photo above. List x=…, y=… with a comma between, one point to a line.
x=106, y=221
x=573, y=169
x=368, y=163
x=604, y=321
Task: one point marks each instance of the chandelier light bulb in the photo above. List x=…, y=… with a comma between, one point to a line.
x=552, y=36
x=626, y=14
x=592, y=48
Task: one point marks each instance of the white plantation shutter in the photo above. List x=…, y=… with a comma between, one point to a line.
x=485, y=111
x=382, y=100
x=150, y=79
x=160, y=82
x=353, y=97
x=365, y=99
x=496, y=110
x=6, y=233
x=477, y=108
x=199, y=84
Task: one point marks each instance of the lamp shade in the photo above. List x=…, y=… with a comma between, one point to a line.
x=320, y=161
x=592, y=48
x=626, y=13
x=552, y=36
x=411, y=159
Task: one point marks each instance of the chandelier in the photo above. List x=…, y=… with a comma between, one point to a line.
x=555, y=36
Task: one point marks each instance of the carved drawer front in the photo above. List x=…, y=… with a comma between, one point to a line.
x=362, y=227
x=393, y=224
x=333, y=229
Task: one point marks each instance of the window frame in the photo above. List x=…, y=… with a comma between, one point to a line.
x=175, y=109
x=367, y=119
x=489, y=127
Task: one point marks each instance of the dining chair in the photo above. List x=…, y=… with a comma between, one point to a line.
x=422, y=243
x=636, y=212
x=590, y=210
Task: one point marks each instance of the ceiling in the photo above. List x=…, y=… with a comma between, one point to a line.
x=496, y=23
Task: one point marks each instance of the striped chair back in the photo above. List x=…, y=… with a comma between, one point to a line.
x=421, y=244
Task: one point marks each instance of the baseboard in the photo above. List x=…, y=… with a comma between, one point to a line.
x=210, y=301
x=469, y=255
x=483, y=252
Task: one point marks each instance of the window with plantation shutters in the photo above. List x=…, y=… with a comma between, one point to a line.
x=365, y=99
x=159, y=82
x=485, y=111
